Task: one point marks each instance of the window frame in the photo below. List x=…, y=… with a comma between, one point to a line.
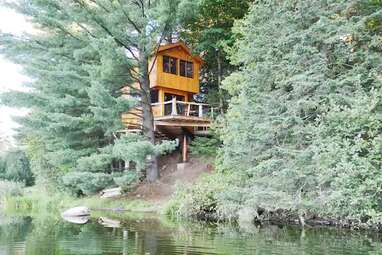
x=186, y=64
x=170, y=66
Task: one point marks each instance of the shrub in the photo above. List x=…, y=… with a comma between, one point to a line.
x=126, y=179
x=205, y=146
x=16, y=167
x=2, y=167
x=87, y=183
x=199, y=200
x=10, y=188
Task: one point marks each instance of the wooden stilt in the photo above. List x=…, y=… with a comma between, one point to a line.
x=184, y=148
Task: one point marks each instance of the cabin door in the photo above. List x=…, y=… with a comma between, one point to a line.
x=168, y=107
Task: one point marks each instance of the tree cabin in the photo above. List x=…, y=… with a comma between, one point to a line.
x=174, y=80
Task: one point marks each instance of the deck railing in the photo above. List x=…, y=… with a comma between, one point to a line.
x=181, y=108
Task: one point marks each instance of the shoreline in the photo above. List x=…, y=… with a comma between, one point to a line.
x=33, y=203
x=350, y=224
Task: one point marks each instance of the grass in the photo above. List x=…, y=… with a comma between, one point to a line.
x=35, y=201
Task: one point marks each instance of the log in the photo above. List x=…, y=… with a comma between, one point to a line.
x=114, y=192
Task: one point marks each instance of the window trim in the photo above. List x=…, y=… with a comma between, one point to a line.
x=176, y=64
x=185, y=68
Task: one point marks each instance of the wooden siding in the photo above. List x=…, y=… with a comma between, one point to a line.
x=158, y=78
x=171, y=84
x=130, y=119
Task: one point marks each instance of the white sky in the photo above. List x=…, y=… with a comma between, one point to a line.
x=11, y=77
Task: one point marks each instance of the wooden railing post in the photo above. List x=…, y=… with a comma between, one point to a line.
x=188, y=110
x=212, y=112
x=173, y=108
x=200, y=111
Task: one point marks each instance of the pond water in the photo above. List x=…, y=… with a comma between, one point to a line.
x=119, y=234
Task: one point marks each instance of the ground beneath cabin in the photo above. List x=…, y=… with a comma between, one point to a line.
x=161, y=190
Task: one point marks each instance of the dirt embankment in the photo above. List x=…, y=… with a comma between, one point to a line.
x=161, y=190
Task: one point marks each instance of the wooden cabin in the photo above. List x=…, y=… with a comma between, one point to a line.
x=174, y=80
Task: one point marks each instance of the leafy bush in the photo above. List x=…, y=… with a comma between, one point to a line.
x=126, y=179
x=205, y=146
x=86, y=183
x=135, y=148
x=198, y=200
x=10, y=188
x=45, y=173
x=17, y=168
x=2, y=167
x=14, y=166
x=97, y=162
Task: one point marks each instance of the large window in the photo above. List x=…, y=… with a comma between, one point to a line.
x=169, y=65
x=186, y=69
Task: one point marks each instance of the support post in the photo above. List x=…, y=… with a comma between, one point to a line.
x=173, y=108
x=184, y=148
x=188, y=110
x=200, y=111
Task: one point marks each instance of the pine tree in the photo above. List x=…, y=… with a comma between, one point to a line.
x=82, y=56
x=209, y=30
x=303, y=129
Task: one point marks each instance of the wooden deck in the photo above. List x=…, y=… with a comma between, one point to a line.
x=174, y=118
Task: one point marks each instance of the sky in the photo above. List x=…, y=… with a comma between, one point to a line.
x=11, y=77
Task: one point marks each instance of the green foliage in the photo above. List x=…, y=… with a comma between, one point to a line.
x=198, y=200
x=86, y=183
x=10, y=188
x=126, y=180
x=304, y=120
x=16, y=168
x=86, y=53
x=47, y=175
x=2, y=167
x=303, y=130
x=35, y=201
x=207, y=27
x=135, y=148
x=205, y=146
x=96, y=162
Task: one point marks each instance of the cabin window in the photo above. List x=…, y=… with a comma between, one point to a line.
x=187, y=69
x=154, y=94
x=169, y=65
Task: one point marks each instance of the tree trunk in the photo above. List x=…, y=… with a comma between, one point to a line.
x=152, y=170
x=220, y=78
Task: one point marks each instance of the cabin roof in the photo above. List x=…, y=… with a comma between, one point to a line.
x=181, y=45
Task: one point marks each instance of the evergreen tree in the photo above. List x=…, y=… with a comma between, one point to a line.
x=82, y=56
x=209, y=30
x=303, y=129
x=17, y=168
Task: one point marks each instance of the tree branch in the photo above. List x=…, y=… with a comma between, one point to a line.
x=128, y=18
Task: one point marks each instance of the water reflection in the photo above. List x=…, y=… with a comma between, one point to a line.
x=130, y=235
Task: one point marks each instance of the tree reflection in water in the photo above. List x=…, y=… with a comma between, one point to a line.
x=150, y=235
